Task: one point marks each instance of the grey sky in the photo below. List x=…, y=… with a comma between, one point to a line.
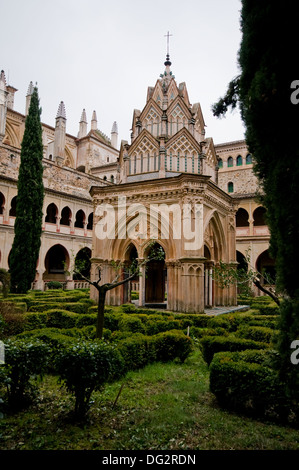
x=102, y=55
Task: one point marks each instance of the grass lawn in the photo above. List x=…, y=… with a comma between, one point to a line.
x=161, y=407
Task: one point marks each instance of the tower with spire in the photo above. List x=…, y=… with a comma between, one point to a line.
x=3, y=104
x=168, y=135
x=59, y=135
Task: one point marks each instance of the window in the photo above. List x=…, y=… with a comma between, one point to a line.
x=239, y=160
x=230, y=161
x=13, y=207
x=52, y=213
x=90, y=221
x=66, y=216
x=259, y=216
x=178, y=162
x=230, y=187
x=248, y=159
x=80, y=219
x=135, y=164
x=242, y=218
x=112, y=179
x=220, y=163
x=2, y=203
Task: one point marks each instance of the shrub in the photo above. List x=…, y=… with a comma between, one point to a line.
x=249, y=387
x=86, y=320
x=54, y=285
x=34, y=321
x=171, y=345
x=256, y=333
x=55, y=338
x=201, y=332
x=137, y=350
x=129, y=308
x=25, y=360
x=86, y=366
x=13, y=322
x=213, y=344
x=131, y=323
x=61, y=318
x=266, y=309
x=158, y=326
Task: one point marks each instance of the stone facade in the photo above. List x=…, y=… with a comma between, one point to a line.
x=236, y=176
x=169, y=164
x=70, y=168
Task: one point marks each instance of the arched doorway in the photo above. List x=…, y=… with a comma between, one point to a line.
x=242, y=268
x=130, y=258
x=156, y=275
x=265, y=265
x=56, y=264
x=82, y=263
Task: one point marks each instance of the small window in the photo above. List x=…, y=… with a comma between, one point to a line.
x=248, y=159
x=230, y=187
x=239, y=160
x=230, y=161
x=220, y=163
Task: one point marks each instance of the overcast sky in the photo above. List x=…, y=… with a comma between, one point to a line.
x=103, y=54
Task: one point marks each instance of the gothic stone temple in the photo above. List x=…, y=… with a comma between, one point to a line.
x=167, y=191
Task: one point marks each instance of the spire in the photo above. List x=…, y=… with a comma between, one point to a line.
x=28, y=97
x=94, y=121
x=82, y=125
x=3, y=104
x=61, y=111
x=114, y=128
x=167, y=75
x=2, y=81
x=59, y=136
x=114, y=135
x=83, y=116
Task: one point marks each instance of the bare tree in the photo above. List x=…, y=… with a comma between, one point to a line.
x=226, y=275
x=130, y=273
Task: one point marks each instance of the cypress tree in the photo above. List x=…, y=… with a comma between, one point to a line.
x=28, y=223
x=269, y=104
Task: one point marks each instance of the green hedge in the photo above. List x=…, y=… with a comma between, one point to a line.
x=244, y=384
x=84, y=367
x=268, y=309
x=25, y=360
x=214, y=344
x=256, y=333
x=139, y=350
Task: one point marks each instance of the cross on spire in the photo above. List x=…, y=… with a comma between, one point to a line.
x=167, y=62
x=167, y=35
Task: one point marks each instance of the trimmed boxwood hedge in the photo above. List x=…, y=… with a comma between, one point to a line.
x=256, y=333
x=246, y=383
x=213, y=344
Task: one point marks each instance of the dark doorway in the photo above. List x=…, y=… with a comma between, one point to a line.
x=155, y=275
